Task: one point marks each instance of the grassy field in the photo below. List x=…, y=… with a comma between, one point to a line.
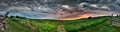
x=99, y=24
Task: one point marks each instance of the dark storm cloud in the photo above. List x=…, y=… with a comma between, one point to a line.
x=46, y=9
x=26, y=8
x=114, y=5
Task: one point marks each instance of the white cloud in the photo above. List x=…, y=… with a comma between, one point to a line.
x=104, y=7
x=19, y=8
x=42, y=8
x=94, y=5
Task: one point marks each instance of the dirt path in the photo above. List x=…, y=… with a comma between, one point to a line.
x=61, y=28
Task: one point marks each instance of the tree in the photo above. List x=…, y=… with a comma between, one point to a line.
x=11, y=16
x=18, y=17
x=89, y=17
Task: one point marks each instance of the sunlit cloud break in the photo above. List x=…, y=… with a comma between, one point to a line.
x=53, y=9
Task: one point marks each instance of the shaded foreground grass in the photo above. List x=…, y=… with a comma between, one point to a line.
x=99, y=24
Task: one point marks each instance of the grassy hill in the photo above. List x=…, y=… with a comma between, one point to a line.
x=99, y=24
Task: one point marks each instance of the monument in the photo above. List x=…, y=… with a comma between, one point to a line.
x=115, y=20
x=2, y=22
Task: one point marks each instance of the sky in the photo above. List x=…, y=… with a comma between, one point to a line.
x=60, y=9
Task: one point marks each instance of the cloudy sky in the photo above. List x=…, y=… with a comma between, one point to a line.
x=59, y=9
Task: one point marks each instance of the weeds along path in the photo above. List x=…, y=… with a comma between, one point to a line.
x=93, y=25
x=104, y=26
x=80, y=25
x=14, y=25
x=31, y=25
x=60, y=27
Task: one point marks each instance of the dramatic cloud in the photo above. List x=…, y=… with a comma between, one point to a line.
x=59, y=9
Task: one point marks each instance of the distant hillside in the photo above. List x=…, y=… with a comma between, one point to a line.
x=98, y=24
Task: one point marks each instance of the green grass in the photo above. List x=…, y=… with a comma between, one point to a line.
x=31, y=25
x=79, y=25
x=99, y=24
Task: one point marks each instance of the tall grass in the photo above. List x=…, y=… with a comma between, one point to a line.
x=99, y=24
